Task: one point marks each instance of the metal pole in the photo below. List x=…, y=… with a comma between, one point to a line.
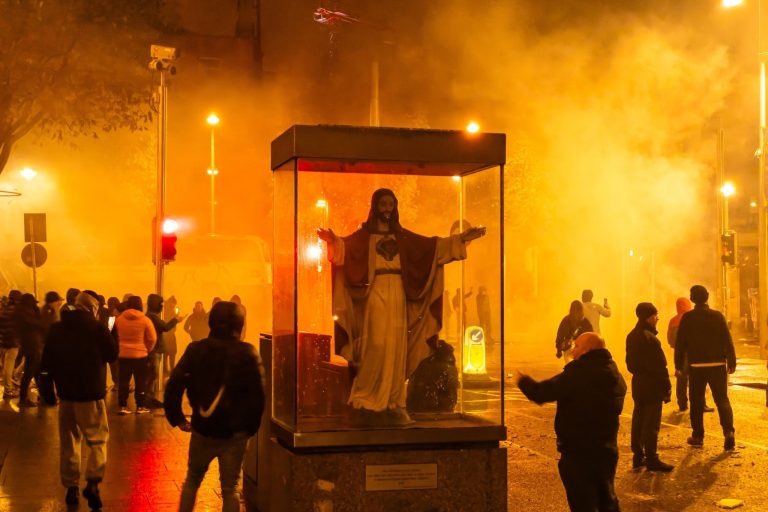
x=762, y=234
x=374, y=114
x=213, y=173
x=34, y=256
x=161, y=161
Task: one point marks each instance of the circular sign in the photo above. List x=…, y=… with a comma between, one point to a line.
x=40, y=255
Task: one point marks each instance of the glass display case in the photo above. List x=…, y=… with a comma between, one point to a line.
x=387, y=335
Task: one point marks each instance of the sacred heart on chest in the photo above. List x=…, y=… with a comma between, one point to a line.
x=387, y=248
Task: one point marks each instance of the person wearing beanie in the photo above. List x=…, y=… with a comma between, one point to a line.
x=49, y=313
x=650, y=388
x=590, y=395
x=75, y=359
x=704, y=341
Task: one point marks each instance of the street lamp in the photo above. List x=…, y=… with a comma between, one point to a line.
x=28, y=174
x=213, y=121
x=762, y=227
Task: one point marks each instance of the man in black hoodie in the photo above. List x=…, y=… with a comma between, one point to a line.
x=154, y=309
x=590, y=396
x=650, y=387
x=223, y=378
x=703, y=337
x=75, y=359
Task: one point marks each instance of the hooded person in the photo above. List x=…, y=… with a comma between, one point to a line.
x=387, y=302
x=155, y=304
x=682, y=305
x=137, y=338
x=75, y=357
x=573, y=325
x=224, y=382
x=590, y=397
x=30, y=330
x=650, y=387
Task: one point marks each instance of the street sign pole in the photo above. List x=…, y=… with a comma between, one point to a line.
x=34, y=257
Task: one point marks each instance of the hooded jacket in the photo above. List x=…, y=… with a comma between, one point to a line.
x=224, y=380
x=135, y=333
x=647, y=364
x=590, y=397
x=74, y=358
x=683, y=306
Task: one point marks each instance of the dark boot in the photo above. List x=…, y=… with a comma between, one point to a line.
x=73, y=496
x=655, y=464
x=91, y=493
x=730, y=442
x=638, y=461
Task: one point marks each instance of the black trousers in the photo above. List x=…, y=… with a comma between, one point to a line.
x=717, y=379
x=646, y=421
x=681, y=388
x=588, y=481
x=136, y=368
x=31, y=371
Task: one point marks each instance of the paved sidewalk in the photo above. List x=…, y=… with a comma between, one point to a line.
x=145, y=468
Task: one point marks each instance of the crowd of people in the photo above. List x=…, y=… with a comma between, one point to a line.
x=590, y=391
x=66, y=346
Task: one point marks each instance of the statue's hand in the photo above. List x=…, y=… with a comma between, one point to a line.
x=473, y=233
x=327, y=235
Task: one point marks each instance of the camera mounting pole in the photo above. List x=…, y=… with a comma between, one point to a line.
x=162, y=62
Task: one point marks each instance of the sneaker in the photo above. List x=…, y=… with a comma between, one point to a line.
x=156, y=404
x=657, y=465
x=638, y=461
x=91, y=493
x=123, y=411
x=72, y=497
x=708, y=408
x=27, y=403
x=141, y=410
x=696, y=441
x=730, y=443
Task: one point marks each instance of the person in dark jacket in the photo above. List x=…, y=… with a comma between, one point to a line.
x=704, y=339
x=75, y=359
x=650, y=387
x=9, y=343
x=571, y=327
x=29, y=328
x=71, y=295
x=49, y=313
x=223, y=378
x=590, y=396
x=154, y=309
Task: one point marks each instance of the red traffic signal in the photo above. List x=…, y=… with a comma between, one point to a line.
x=168, y=240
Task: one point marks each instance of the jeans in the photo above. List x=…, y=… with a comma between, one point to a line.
x=588, y=481
x=202, y=450
x=136, y=368
x=717, y=379
x=78, y=422
x=646, y=420
x=9, y=363
x=31, y=371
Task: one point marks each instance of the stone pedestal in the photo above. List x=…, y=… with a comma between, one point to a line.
x=442, y=479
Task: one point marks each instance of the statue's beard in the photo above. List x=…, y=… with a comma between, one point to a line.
x=385, y=217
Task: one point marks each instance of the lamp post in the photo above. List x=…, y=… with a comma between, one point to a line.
x=213, y=121
x=762, y=228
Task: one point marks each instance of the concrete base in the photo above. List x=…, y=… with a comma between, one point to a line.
x=468, y=478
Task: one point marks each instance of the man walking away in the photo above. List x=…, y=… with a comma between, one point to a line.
x=9, y=342
x=590, y=396
x=75, y=359
x=223, y=379
x=704, y=339
x=650, y=387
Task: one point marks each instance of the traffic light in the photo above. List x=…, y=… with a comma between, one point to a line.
x=728, y=243
x=168, y=240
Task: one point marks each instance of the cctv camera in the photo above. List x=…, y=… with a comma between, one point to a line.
x=163, y=52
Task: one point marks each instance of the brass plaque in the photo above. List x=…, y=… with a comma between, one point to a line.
x=397, y=477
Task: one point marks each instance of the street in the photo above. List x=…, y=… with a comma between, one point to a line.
x=702, y=476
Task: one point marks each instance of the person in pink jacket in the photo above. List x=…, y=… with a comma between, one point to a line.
x=137, y=337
